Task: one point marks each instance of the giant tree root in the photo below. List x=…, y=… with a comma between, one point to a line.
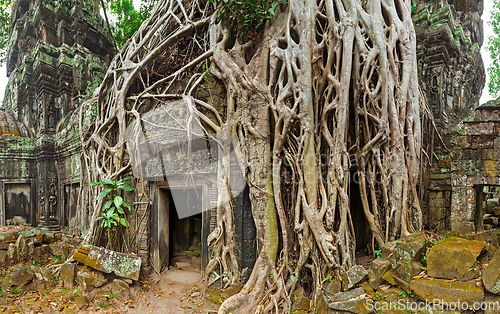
x=247, y=300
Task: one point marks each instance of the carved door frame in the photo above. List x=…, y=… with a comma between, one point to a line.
x=33, y=200
x=160, y=214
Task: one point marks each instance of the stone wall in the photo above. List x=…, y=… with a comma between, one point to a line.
x=451, y=76
x=58, y=54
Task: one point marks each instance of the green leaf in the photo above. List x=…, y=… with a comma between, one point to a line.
x=124, y=222
x=107, y=205
x=95, y=183
x=118, y=200
x=121, y=181
x=127, y=205
x=126, y=187
x=103, y=194
x=120, y=210
x=111, y=212
x=108, y=181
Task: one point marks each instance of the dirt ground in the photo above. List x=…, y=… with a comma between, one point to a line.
x=176, y=292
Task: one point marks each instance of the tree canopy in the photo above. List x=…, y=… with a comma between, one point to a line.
x=494, y=49
x=128, y=19
x=5, y=6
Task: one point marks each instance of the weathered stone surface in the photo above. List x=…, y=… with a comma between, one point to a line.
x=334, y=286
x=301, y=304
x=4, y=261
x=12, y=253
x=407, y=255
x=68, y=274
x=344, y=296
x=355, y=275
x=22, y=248
x=43, y=273
x=359, y=305
x=81, y=301
x=123, y=265
x=389, y=277
x=454, y=258
x=91, y=279
x=22, y=276
x=451, y=292
x=378, y=268
x=491, y=304
x=121, y=289
x=182, y=264
x=491, y=275
x=492, y=237
x=60, y=248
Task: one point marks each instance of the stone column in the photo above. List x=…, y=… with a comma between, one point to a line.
x=463, y=207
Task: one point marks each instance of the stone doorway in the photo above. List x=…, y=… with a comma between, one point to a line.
x=487, y=213
x=17, y=203
x=180, y=238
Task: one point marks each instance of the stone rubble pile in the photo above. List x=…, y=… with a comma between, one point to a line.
x=99, y=273
x=458, y=269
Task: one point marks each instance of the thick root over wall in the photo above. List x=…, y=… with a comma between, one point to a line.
x=325, y=96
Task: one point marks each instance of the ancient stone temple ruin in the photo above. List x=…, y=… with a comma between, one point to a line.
x=58, y=55
x=462, y=148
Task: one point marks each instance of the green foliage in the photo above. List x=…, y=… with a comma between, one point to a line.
x=128, y=19
x=378, y=253
x=246, y=15
x=494, y=49
x=113, y=211
x=5, y=8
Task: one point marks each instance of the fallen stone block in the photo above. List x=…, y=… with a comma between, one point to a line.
x=91, y=279
x=182, y=264
x=446, y=291
x=4, y=261
x=407, y=255
x=121, y=289
x=81, y=302
x=491, y=275
x=491, y=304
x=22, y=276
x=455, y=258
x=68, y=274
x=378, y=268
x=122, y=265
x=359, y=306
x=344, y=296
x=356, y=275
x=43, y=273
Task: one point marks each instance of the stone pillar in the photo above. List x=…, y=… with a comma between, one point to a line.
x=463, y=207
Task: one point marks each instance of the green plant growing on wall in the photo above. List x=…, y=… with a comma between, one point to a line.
x=113, y=211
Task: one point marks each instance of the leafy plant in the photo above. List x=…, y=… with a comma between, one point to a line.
x=378, y=253
x=494, y=49
x=113, y=211
x=246, y=14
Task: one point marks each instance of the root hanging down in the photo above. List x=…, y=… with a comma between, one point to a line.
x=325, y=96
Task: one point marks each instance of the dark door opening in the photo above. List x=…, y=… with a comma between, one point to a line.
x=17, y=203
x=181, y=242
x=357, y=214
x=487, y=214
